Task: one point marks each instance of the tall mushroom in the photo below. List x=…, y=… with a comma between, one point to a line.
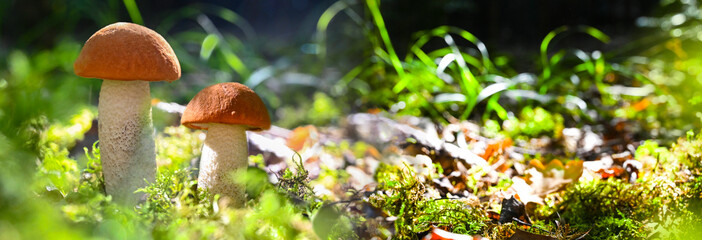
x=127, y=57
x=226, y=111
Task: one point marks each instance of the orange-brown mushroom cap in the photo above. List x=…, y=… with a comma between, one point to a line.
x=127, y=51
x=227, y=103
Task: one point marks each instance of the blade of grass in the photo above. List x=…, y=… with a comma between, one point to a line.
x=374, y=8
x=194, y=10
x=360, y=71
x=594, y=32
x=230, y=57
x=493, y=89
x=233, y=18
x=494, y=106
x=544, y=50
x=424, y=36
x=469, y=84
x=133, y=11
x=546, y=80
x=423, y=57
x=323, y=24
x=467, y=81
x=260, y=75
x=600, y=66
x=557, y=57
x=208, y=45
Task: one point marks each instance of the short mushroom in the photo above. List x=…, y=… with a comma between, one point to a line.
x=127, y=57
x=226, y=111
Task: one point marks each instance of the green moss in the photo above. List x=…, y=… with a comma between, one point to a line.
x=612, y=209
x=389, y=175
x=176, y=147
x=686, y=222
x=689, y=151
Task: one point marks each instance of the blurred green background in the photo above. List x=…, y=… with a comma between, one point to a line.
x=314, y=61
x=289, y=50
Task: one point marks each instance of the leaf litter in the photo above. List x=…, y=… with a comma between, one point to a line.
x=503, y=181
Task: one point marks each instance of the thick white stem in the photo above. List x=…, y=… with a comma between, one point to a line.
x=126, y=138
x=225, y=151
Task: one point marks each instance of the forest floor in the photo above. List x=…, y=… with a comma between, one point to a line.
x=378, y=176
x=409, y=178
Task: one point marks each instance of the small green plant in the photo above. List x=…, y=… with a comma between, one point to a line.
x=534, y=122
x=402, y=197
x=293, y=197
x=296, y=186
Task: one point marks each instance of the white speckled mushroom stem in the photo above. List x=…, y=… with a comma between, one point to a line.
x=126, y=133
x=225, y=150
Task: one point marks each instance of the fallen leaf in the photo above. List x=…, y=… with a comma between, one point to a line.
x=554, y=164
x=496, y=148
x=614, y=171
x=537, y=164
x=374, y=110
x=573, y=170
x=373, y=152
x=641, y=105
x=493, y=215
x=538, y=185
x=439, y=234
x=301, y=137
x=512, y=209
x=525, y=191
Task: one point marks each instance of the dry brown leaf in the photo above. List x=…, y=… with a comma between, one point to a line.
x=496, y=148
x=554, y=164
x=373, y=152
x=301, y=137
x=525, y=191
x=537, y=164
x=374, y=110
